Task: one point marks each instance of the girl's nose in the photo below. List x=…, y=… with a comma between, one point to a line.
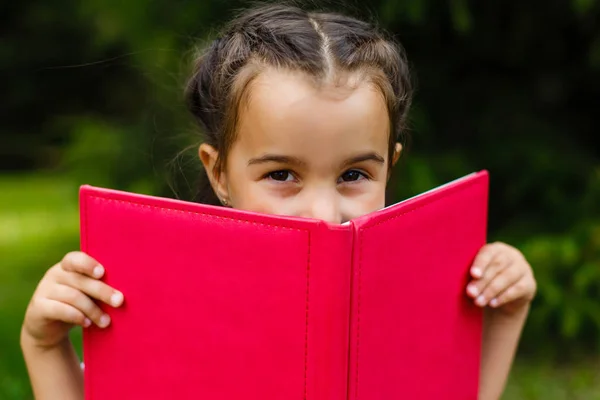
x=325, y=208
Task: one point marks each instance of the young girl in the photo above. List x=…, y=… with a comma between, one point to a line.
x=304, y=114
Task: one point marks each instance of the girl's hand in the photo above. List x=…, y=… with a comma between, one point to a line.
x=65, y=297
x=502, y=279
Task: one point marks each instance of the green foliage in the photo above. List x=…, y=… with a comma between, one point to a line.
x=566, y=311
x=583, y=7
x=105, y=154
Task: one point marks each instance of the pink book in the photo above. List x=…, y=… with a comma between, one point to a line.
x=227, y=304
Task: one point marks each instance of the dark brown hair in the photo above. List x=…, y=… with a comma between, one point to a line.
x=322, y=45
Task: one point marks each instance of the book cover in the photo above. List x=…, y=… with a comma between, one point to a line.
x=229, y=304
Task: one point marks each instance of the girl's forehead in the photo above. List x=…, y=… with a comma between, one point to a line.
x=287, y=108
x=288, y=87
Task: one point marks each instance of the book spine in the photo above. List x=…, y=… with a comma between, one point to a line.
x=328, y=312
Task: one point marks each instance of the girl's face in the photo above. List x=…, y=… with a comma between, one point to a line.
x=305, y=151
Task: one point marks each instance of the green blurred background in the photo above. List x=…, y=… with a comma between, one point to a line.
x=92, y=93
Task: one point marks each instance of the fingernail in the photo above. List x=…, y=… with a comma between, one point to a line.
x=472, y=289
x=98, y=271
x=116, y=299
x=104, y=321
x=476, y=272
x=494, y=302
x=480, y=301
x=87, y=323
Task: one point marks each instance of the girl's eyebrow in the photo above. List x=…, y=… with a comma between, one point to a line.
x=370, y=156
x=281, y=159
x=276, y=159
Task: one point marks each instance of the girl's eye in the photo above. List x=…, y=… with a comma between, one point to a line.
x=352, y=175
x=281, y=176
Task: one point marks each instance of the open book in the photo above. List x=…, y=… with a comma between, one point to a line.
x=227, y=304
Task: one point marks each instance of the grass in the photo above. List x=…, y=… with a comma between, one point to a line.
x=39, y=224
x=39, y=221
x=532, y=380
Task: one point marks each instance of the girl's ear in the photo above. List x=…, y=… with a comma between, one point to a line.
x=396, y=155
x=218, y=179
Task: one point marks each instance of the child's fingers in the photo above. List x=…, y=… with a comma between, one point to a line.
x=518, y=290
x=59, y=311
x=524, y=288
x=81, y=302
x=483, y=259
x=496, y=265
x=502, y=282
x=93, y=288
x=79, y=262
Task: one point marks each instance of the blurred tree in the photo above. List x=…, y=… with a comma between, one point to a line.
x=44, y=50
